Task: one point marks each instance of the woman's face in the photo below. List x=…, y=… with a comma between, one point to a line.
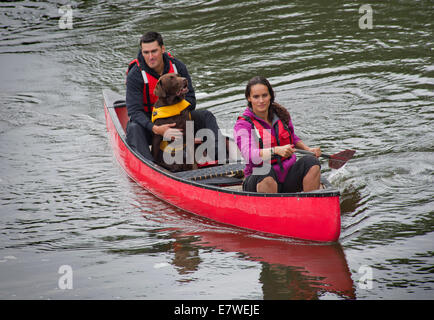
x=259, y=98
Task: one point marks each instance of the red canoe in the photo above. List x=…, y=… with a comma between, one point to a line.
x=311, y=216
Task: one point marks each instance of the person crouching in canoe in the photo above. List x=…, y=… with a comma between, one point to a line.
x=265, y=135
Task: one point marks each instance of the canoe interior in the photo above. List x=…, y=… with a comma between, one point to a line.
x=123, y=117
x=232, y=181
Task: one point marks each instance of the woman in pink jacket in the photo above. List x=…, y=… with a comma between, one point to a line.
x=265, y=136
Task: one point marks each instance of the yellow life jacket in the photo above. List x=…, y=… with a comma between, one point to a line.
x=166, y=112
x=169, y=111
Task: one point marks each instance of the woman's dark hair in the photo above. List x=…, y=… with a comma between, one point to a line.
x=274, y=107
x=259, y=80
x=151, y=36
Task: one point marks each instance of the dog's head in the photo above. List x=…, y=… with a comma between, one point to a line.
x=171, y=88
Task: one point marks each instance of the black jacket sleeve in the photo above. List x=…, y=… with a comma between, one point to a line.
x=134, y=98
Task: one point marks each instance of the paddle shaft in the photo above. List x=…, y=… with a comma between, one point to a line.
x=313, y=154
x=336, y=160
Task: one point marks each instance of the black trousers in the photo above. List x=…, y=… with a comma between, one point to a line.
x=293, y=180
x=140, y=138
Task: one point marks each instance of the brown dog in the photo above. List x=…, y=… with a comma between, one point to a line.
x=170, y=90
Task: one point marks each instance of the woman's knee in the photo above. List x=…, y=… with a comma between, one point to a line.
x=311, y=180
x=267, y=185
x=315, y=169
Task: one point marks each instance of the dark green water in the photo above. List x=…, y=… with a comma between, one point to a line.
x=65, y=201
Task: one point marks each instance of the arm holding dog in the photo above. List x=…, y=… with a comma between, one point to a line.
x=166, y=130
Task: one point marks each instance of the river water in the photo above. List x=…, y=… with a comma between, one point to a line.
x=74, y=226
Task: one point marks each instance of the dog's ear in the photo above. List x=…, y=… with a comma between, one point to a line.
x=159, y=91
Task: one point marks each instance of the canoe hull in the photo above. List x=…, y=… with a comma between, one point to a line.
x=310, y=216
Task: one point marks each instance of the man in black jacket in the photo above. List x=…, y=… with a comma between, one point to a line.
x=143, y=73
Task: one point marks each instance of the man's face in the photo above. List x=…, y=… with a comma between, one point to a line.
x=153, y=54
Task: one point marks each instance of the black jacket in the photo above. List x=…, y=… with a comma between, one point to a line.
x=135, y=84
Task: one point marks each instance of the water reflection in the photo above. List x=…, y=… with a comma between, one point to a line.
x=289, y=269
x=186, y=256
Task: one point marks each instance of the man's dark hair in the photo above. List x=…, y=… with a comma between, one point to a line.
x=151, y=36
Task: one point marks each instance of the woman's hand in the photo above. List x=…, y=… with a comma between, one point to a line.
x=316, y=151
x=284, y=151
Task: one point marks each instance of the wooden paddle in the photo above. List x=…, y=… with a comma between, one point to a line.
x=336, y=160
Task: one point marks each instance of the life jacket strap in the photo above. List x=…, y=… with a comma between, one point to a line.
x=274, y=158
x=175, y=70
x=148, y=96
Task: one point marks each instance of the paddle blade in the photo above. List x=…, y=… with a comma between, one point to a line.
x=339, y=159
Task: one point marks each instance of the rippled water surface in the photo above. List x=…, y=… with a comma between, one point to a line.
x=64, y=200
